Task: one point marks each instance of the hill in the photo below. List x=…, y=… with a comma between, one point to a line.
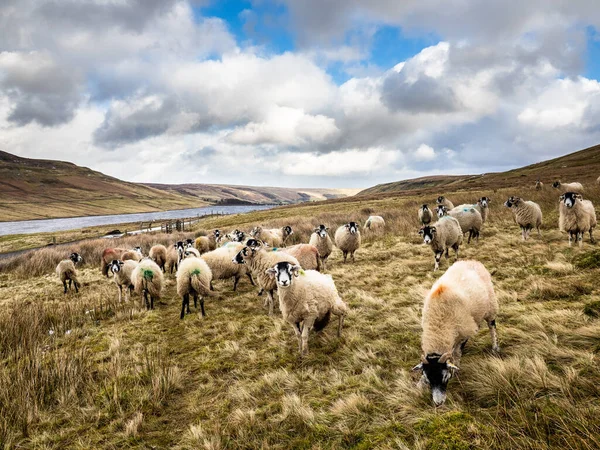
x=582, y=166
x=43, y=189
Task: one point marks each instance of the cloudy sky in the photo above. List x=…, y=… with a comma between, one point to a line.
x=299, y=93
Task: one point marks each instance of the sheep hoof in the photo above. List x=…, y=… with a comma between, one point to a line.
x=496, y=349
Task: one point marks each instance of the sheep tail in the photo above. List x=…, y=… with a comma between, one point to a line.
x=197, y=285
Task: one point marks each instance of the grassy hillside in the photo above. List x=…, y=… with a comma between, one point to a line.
x=42, y=189
x=582, y=166
x=84, y=371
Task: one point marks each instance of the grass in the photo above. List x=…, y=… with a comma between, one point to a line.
x=82, y=371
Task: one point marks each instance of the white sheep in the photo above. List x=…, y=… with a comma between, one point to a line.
x=425, y=215
x=222, y=265
x=468, y=217
x=158, y=254
x=259, y=259
x=306, y=254
x=347, y=239
x=66, y=271
x=208, y=243
x=577, y=217
x=172, y=259
x=374, y=223
x=527, y=214
x=539, y=186
x=307, y=299
x=275, y=237
x=452, y=312
x=321, y=240
x=148, y=281
x=568, y=187
x=135, y=254
x=122, y=273
x=442, y=235
x=193, y=277
x=441, y=200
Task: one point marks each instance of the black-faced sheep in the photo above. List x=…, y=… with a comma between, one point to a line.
x=307, y=300
x=321, y=240
x=347, y=239
x=148, y=281
x=158, y=254
x=135, y=254
x=468, y=217
x=222, y=265
x=453, y=310
x=577, y=217
x=108, y=255
x=193, y=277
x=66, y=271
x=122, y=273
x=275, y=237
x=568, y=187
x=441, y=200
x=442, y=235
x=527, y=215
x=208, y=243
x=539, y=186
x=425, y=215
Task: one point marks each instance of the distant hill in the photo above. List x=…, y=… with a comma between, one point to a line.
x=42, y=189
x=582, y=166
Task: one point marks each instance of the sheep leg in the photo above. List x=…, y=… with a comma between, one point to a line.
x=120, y=292
x=186, y=299
x=523, y=234
x=493, y=334
x=340, y=324
x=195, y=301
x=270, y=300
x=235, y=282
x=592, y=240
x=151, y=302
x=455, y=247
x=145, y=294
x=261, y=292
x=470, y=234
x=580, y=238
x=202, y=306
x=446, y=254
x=70, y=284
x=298, y=331
x=570, y=238
x=65, y=285
x=306, y=327
x=345, y=256
x=438, y=256
x=539, y=232
x=249, y=275
x=352, y=255
x=211, y=286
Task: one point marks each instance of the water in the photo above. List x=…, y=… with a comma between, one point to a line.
x=72, y=223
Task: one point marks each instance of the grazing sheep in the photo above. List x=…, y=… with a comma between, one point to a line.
x=306, y=254
x=468, y=217
x=375, y=223
x=321, y=240
x=108, y=255
x=442, y=235
x=193, y=277
x=66, y=271
x=147, y=279
x=347, y=239
x=158, y=254
x=122, y=272
x=527, y=214
x=577, y=217
x=453, y=310
x=275, y=237
x=568, y=187
x=539, y=186
x=307, y=299
x=425, y=215
x=222, y=265
x=441, y=200
x=172, y=259
x=208, y=243
x=135, y=254
x=258, y=261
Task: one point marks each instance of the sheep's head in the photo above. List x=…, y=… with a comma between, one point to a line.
x=424, y=207
x=441, y=199
x=512, y=201
x=287, y=230
x=189, y=243
x=321, y=230
x=138, y=250
x=255, y=231
x=243, y=255
x=255, y=243
x=441, y=211
x=190, y=253
x=115, y=265
x=437, y=371
x=428, y=233
x=76, y=258
x=351, y=227
x=283, y=272
x=556, y=184
x=570, y=198
x=484, y=201
x=217, y=234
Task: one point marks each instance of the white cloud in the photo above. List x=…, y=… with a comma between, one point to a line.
x=424, y=153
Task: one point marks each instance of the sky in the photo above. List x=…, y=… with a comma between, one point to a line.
x=298, y=93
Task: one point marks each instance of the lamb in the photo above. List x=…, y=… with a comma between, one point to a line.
x=208, y=243
x=307, y=299
x=306, y=254
x=275, y=237
x=468, y=217
x=568, y=187
x=425, y=215
x=321, y=240
x=147, y=279
x=453, y=310
x=539, y=186
x=222, y=265
x=527, y=214
x=258, y=261
x=347, y=239
x=122, y=272
x=442, y=235
x=374, y=223
x=193, y=277
x=158, y=254
x=66, y=271
x=135, y=254
x=441, y=200
x=577, y=217
x=108, y=255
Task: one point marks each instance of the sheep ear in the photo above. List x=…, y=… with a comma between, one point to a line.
x=272, y=272
x=452, y=366
x=433, y=229
x=296, y=270
x=579, y=196
x=421, y=232
x=562, y=197
x=417, y=367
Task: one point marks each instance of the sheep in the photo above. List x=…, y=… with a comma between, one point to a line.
x=307, y=299
x=374, y=223
x=577, y=217
x=568, y=187
x=539, y=186
x=122, y=272
x=275, y=237
x=208, y=243
x=66, y=271
x=453, y=310
x=258, y=261
x=527, y=215
x=236, y=236
x=482, y=206
x=191, y=252
x=441, y=200
x=172, y=259
x=425, y=215
x=468, y=217
x=147, y=279
x=321, y=240
x=442, y=235
x=135, y=254
x=108, y=255
x=347, y=239
x=193, y=277
x=222, y=266
x=158, y=254
x=306, y=254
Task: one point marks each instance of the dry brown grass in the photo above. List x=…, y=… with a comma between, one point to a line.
x=126, y=378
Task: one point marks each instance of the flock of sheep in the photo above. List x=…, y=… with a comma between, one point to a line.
x=453, y=309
